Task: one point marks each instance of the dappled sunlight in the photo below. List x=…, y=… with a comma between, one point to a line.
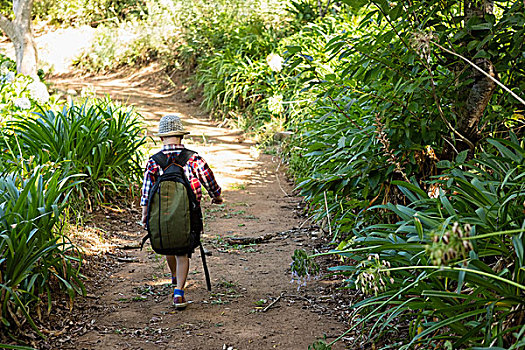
x=58, y=48
x=228, y=152
x=160, y=282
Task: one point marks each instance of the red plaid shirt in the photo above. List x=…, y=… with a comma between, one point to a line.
x=197, y=171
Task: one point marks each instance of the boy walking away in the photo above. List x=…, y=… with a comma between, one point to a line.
x=167, y=212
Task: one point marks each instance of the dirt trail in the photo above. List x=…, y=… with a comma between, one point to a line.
x=128, y=304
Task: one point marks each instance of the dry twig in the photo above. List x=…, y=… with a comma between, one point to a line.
x=273, y=302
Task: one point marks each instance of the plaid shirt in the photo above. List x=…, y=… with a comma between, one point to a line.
x=196, y=169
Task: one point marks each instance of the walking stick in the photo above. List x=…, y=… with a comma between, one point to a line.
x=206, y=272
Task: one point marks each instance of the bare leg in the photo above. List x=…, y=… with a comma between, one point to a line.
x=182, y=268
x=172, y=264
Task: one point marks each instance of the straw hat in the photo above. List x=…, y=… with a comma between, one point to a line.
x=171, y=125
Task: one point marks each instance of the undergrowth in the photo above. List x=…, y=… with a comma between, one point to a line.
x=56, y=161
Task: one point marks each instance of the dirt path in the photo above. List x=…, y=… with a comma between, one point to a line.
x=128, y=304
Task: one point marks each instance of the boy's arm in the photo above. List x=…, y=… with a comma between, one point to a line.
x=149, y=179
x=144, y=215
x=207, y=179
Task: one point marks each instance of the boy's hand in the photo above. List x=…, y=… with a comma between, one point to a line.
x=217, y=200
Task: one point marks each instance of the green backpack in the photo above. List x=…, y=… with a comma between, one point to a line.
x=174, y=217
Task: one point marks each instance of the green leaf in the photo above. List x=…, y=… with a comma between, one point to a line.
x=517, y=241
x=482, y=26
x=461, y=157
x=444, y=164
x=481, y=54
x=446, y=203
x=293, y=49
x=355, y=4
x=419, y=227
x=504, y=150
x=472, y=44
x=446, y=322
x=443, y=294
x=18, y=347
x=342, y=142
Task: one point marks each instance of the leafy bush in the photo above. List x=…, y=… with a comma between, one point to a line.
x=35, y=257
x=90, y=12
x=344, y=161
x=20, y=95
x=396, y=84
x=98, y=139
x=456, y=258
x=92, y=150
x=226, y=43
x=390, y=104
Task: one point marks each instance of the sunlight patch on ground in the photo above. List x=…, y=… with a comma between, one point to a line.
x=231, y=156
x=90, y=240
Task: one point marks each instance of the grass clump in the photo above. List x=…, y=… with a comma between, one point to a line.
x=97, y=140
x=54, y=160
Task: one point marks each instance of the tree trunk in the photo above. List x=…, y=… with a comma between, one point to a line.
x=473, y=99
x=20, y=32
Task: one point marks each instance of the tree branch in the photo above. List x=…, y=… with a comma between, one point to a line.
x=22, y=10
x=440, y=110
x=482, y=71
x=7, y=26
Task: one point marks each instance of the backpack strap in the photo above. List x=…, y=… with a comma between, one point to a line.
x=162, y=160
x=183, y=157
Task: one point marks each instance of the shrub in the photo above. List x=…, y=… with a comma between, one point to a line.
x=90, y=12
x=455, y=258
x=20, y=95
x=97, y=139
x=387, y=109
x=226, y=43
x=35, y=256
x=94, y=151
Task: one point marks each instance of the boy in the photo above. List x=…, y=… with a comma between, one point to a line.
x=197, y=171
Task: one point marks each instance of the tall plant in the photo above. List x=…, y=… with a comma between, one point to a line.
x=35, y=256
x=441, y=255
x=98, y=139
x=398, y=76
x=450, y=269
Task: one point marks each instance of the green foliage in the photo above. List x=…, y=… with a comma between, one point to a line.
x=92, y=151
x=435, y=245
x=98, y=139
x=35, y=257
x=408, y=89
x=20, y=95
x=341, y=158
x=306, y=11
x=227, y=43
x=180, y=32
x=319, y=345
x=457, y=258
x=102, y=56
x=303, y=268
x=87, y=11
x=376, y=118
